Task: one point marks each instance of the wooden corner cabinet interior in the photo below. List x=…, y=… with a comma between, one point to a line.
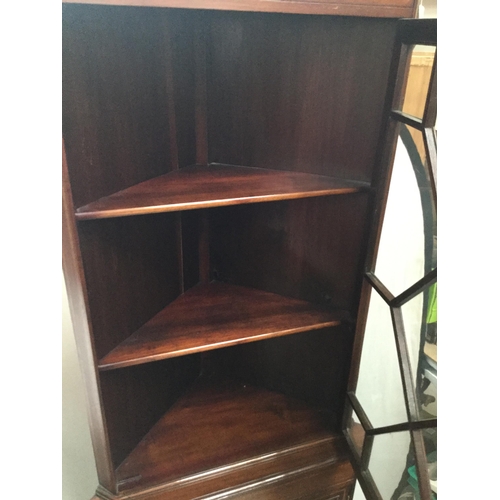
x=220, y=165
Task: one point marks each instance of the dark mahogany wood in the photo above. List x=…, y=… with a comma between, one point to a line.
x=310, y=366
x=410, y=120
x=204, y=248
x=191, y=223
x=326, y=481
x=382, y=174
x=135, y=398
x=147, y=93
x=311, y=249
x=417, y=31
x=274, y=87
x=79, y=306
x=181, y=25
x=216, y=315
x=115, y=119
x=200, y=97
x=213, y=186
x=415, y=289
x=170, y=110
x=276, y=467
x=218, y=423
x=382, y=290
x=132, y=273
x=380, y=8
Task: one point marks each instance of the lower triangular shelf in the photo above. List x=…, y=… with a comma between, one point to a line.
x=220, y=425
x=217, y=315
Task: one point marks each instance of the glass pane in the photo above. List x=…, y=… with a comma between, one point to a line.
x=412, y=489
x=430, y=439
x=358, y=493
x=419, y=77
x=379, y=389
x=391, y=458
x=406, y=242
x=420, y=322
x=356, y=433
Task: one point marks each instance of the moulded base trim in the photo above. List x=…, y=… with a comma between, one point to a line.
x=248, y=475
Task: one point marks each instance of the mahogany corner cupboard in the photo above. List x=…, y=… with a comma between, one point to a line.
x=222, y=165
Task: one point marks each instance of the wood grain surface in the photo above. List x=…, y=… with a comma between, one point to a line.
x=216, y=315
x=219, y=422
x=213, y=186
x=297, y=93
x=379, y=8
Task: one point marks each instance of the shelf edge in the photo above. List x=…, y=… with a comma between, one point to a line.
x=103, y=366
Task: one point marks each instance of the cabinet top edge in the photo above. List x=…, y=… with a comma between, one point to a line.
x=361, y=8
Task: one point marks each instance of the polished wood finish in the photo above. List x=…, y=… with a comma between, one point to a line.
x=269, y=469
x=213, y=186
x=204, y=248
x=220, y=422
x=321, y=482
x=132, y=273
x=376, y=8
x=310, y=366
x=274, y=87
x=360, y=412
x=112, y=115
x=179, y=125
x=146, y=392
x=415, y=289
x=310, y=249
x=382, y=175
x=216, y=315
x=200, y=63
x=79, y=307
x=382, y=290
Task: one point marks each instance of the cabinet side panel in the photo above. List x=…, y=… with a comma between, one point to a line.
x=115, y=106
x=301, y=93
x=311, y=249
x=132, y=270
x=135, y=399
x=78, y=303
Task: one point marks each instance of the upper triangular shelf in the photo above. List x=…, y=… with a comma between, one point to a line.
x=214, y=186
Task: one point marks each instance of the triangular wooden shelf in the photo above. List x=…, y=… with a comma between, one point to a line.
x=217, y=315
x=214, y=186
x=221, y=422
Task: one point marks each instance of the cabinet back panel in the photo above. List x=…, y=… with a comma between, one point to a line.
x=132, y=272
x=115, y=106
x=181, y=26
x=302, y=93
x=310, y=366
x=135, y=399
x=310, y=249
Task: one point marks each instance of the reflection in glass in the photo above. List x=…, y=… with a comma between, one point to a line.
x=419, y=77
x=379, y=389
x=356, y=433
x=420, y=320
x=430, y=440
x=390, y=460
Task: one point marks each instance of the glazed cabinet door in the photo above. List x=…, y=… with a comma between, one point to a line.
x=390, y=417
